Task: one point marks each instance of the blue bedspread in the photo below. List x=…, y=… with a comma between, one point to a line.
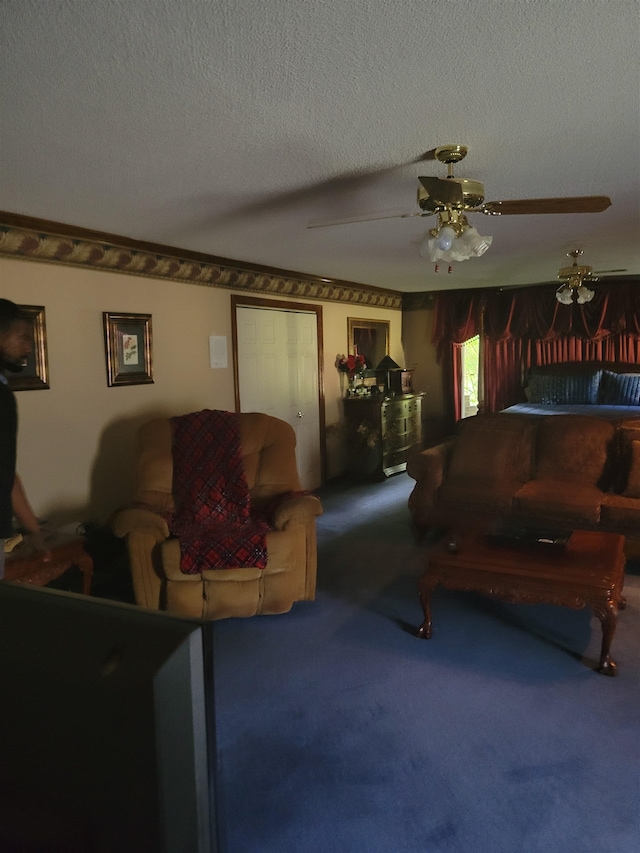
x=597, y=411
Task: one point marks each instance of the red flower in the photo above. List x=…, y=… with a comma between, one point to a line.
x=350, y=364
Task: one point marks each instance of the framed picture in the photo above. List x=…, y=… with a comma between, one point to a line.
x=127, y=342
x=35, y=374
x=369, y=338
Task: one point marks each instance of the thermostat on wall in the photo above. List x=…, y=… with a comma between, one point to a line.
x=217, y=351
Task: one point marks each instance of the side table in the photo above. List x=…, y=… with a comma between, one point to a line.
x=27, y=565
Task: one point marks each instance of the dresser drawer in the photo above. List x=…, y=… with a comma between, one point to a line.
x=390, y=426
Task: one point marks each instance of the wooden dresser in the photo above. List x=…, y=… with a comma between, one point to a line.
x=380, y=432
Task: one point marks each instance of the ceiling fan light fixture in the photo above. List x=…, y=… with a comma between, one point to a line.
x=564, y=294
x=475, y=242
x=584, y=294
x=453, y=239
x=445, y=238
x=575, y=277
x=430, y=250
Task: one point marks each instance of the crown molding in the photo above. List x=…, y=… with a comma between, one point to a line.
x=27, y=238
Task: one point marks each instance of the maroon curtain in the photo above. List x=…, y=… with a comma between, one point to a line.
x=456, y=319
x=624, y=348
x=527, y=326
x=502, y=373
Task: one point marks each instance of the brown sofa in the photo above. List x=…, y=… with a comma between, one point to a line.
x=268, y=450
x=567, y=471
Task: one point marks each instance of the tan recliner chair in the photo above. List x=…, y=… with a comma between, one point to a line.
x=268, y=449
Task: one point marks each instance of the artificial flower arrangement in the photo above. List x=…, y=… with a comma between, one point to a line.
x=351, y=364
x=368, y=435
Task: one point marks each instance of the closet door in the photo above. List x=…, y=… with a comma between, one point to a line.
x=277, y=359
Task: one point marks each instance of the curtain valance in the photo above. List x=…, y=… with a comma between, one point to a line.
x=533, y=313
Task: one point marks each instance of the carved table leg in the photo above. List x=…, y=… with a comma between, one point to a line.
x=608, y=615
x=426, y=587
x=85, y=564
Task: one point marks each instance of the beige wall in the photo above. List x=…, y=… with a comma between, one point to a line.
x=75, y=441
x=417, y=329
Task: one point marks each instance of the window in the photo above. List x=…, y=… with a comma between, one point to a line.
x=470, y=362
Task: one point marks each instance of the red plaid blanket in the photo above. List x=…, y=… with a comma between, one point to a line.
x=213, y=508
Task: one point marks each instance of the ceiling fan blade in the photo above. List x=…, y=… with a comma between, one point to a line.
x=579, y=204
x=442, y=192
x=347, y=220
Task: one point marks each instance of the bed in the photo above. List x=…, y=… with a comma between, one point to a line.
x=602, y=389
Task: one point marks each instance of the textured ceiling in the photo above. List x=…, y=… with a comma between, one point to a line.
x=227, y=126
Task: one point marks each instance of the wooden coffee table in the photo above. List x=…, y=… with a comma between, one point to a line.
x=587, y=572
x=27, y=565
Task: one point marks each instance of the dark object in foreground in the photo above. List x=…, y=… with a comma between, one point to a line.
x=510, y=533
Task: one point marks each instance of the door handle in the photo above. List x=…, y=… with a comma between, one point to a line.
x=300, y=414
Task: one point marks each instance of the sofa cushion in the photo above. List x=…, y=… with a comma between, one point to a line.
x=285, y=549
x=554, y=388
x=459, y=497
x=494, y=447
x=559, y=502
x=632, y=489
x=574, y=448
x=619, y=389
x=620, y=513
x=628, y=432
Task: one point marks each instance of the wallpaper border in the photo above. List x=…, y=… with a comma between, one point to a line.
x=36, y=240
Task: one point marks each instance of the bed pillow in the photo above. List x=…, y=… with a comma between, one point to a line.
x=619, y=389
x=561, y=389
x=545, y=388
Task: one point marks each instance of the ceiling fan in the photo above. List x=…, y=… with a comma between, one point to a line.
x=451, y=198
x=574, y=278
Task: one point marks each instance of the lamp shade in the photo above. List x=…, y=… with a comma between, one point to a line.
x=475, y=243
x=584, y=294
x=445, y=238
x=469, y=244
x=564, y=294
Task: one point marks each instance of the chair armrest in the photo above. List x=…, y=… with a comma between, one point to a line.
x=296, y=510
x=135, y=518
x=171, y=563
x=146, y=569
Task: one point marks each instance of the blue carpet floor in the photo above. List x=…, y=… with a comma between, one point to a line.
x=339, y=731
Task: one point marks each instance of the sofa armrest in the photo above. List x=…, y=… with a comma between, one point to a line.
x=137, y=518
x=428, y=469
x=428, y=466
x=296, y=510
